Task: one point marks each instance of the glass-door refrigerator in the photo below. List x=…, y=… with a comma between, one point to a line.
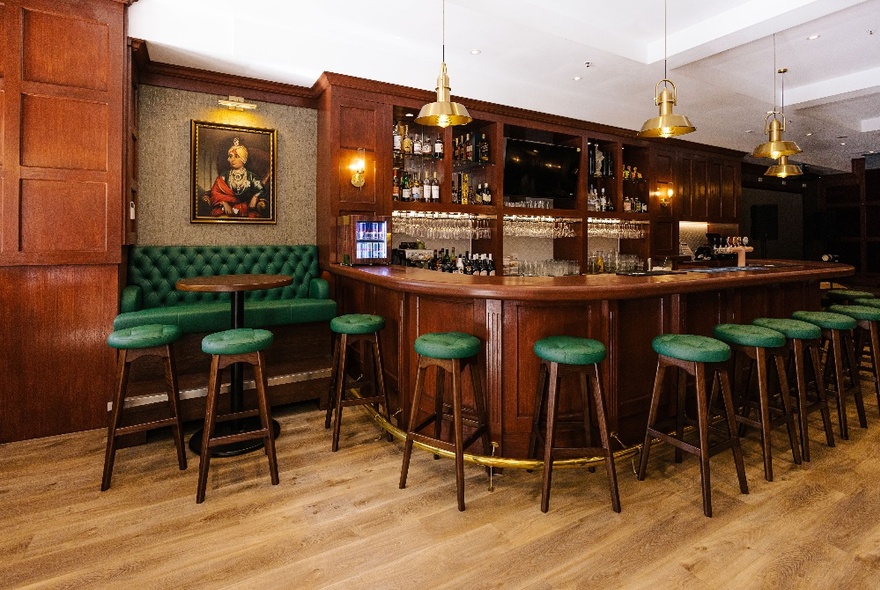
x=363, y=239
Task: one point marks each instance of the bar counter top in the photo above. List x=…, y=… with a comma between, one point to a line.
x=591, y=287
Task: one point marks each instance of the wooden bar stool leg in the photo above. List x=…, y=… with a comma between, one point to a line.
x=331, y=397
x=850, y=358
x=208, y=430
x=174, y=405
x=550, y=435
x=539, y=408
x=837, y=356
x=413, y=416
x=681, y=410
x=788, y=408
x=439, y=399
x=764, y=409
x=874, y=343
x=731, y=425
x=652, y=418
x=458, y=434
x=821, y=393
x=340, y=391
x=605, y=438
x=115, y=417
x=265, y=417
x=703, y=433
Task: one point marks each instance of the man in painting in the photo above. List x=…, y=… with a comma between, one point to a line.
x=237, y=192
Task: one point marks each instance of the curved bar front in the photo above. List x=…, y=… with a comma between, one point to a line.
x=509, y=314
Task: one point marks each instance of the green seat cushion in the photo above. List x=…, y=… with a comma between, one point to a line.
x=748, y=335
x=859, y=312
x=570, y=350
x=357, y=323
x=826, y=320
x=216, y=316
x=795, y=329
x=143, y=336
x=238, y=341
x=870, y=302
x=690, y=347
x=447, y=345
x=848, y=295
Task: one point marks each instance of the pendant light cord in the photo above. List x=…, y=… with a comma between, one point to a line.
x=774, y=72
x=443, y=31
x=664, y=40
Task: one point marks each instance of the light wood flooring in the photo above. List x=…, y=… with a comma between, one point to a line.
x=340, y=521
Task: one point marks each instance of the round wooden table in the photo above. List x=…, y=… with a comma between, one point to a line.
x=236, y=285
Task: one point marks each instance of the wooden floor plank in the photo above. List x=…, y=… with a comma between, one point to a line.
x=338, y=520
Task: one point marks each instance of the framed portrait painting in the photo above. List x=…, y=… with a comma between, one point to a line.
x=233, y=174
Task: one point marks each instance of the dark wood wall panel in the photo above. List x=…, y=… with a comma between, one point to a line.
x=64, y=133
x=82, y=206
x=58, y=370
x=64, y=50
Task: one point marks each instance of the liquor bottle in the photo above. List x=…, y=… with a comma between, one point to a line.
x=490, y=266
x=416, y=144
x=395, y=186
x=405, y=191
x=427, y=147
x=438, y=147
x=406, y=143
x=603, y=202
x=435, y=189
x=468, y=148
x=416, y=189
x=427, y=188
x=445, y=261
x=459, y=265
x=483, y=155
x=465, y=194
x=395, y=134
x=478, y=194
x=627, y=203
x=487, y=194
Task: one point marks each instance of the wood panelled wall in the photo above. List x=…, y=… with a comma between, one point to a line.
x=61, y=185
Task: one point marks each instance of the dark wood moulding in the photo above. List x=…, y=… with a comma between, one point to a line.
x=509, y=314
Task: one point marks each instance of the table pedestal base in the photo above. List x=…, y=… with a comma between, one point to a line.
x=232, y=449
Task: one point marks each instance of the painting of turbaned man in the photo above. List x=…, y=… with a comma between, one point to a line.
x=233, y=174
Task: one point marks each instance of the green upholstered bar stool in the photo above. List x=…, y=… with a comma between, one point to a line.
x=760, y=346
x=837, y=330
x=350, y=329
x=580, y=357
x=704, y=359
x=836, y=296
x=804, y=341
x=132, y=344
x=239, y=345
x=450, y=352
x=867, y=317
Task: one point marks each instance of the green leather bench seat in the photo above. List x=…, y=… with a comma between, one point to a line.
x=151, y=297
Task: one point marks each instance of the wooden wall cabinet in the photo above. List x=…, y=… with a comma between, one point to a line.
x=356, y=113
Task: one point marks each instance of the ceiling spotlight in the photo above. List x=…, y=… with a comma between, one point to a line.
x=813, y=37
x=475, y=52
x=577, y=78
x=588, y=64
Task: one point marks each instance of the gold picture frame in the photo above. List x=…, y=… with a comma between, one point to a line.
x=233, y=174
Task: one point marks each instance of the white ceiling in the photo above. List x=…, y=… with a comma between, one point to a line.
x=720, y=55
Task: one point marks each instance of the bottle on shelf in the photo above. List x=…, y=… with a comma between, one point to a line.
x=405, y=190
x=490, y=266
x=478, y=194
x=483, y=149
x=416, y=144
x=395, y=134
x=395, y=186
x=406, y=143
x=465, y=192
x=427, y=147
x=416, y=189
x=487, y=194
x=435, y=189
x=438, y=147
x=468, y=148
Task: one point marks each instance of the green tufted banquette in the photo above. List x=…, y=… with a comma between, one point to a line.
x=151, y=298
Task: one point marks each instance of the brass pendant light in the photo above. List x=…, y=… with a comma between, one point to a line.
x=783, y=169
x=667, y=124
x=443, y=112
x=774, y=125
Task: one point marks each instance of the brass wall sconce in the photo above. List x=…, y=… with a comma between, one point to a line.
x=665, y=194
x=357, y=167
x=236, y=103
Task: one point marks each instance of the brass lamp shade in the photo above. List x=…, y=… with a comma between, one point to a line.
x=776, y=147
x=783, y=169
x=444, y=112
x=668, y=123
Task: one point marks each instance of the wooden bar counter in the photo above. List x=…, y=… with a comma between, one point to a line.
x=509, y=314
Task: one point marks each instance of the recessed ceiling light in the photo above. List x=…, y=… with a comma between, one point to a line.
x=750, y=130
x=475, y=52
x=842, y=143
x=813, y=37
x=809, y=133
x=588, y=64
x=577, y=78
